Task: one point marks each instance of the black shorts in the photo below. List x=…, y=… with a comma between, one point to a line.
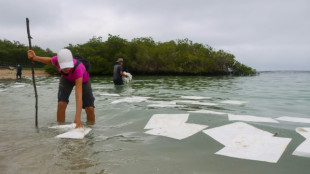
x=65, y=89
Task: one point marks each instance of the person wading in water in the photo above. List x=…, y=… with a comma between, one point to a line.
x=73, y=73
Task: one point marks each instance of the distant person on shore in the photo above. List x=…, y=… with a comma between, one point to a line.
x=73, y=73
x=118, y=72
x=19, y=71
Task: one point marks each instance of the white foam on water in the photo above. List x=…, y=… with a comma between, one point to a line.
x=251, y=118
x=304, y=148
x=172, y=125
x=195, y=97
x=131, y=100
x=244, y=141
x=294, y=119
x=108, y=94
x=234, y=102
x=208, y=112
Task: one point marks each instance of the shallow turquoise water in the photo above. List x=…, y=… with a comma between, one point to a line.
x=118, y=143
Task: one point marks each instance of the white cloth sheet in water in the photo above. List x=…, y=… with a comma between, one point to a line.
x=195, y=102
x=71, y=133
x=244, y=141
x=64, y=127
x=179, y=132
x=163, y=104
x=195, y=97
x=127, y=79
x=78, y=133
x=250, y=118
x=234, y=102
x=294, y=119
x=304, y=148
x=208, y=112
x=131, y=100
x=108, y=94
x=172, y=125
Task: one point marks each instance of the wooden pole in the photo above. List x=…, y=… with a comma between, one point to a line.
x=32, y=69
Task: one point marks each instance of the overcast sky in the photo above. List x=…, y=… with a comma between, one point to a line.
x=263, y=34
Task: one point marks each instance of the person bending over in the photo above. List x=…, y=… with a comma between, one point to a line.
x=73, y=73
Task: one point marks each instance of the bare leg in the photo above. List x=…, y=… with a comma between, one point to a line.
x=90, y=112
x=61, y=111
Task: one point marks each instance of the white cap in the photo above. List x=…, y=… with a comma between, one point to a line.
x=65, y=58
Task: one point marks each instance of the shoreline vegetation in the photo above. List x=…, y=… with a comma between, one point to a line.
x=142, y=56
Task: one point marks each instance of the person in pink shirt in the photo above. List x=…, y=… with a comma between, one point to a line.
x=73, y=73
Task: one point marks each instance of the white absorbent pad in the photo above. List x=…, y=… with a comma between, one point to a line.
x=127, y=79
x=77, y=133
x=131, y=100
x=244, y=141
x=172, y=125
x=203, y=111
x=72, y=133
x=234, y=102
x=233, y=117
x=195, y=97
x=166, y=120
x=162, y=104
x=193, y=102
x=178, y=132
x=64, y=127
x=108, y=94
x=304, y=148
x=294, y=119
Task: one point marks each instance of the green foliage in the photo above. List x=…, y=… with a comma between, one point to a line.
x=142, y=56
x=51, y=69
x=13, y=53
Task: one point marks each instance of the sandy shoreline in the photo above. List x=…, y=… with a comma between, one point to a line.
x=9, y=74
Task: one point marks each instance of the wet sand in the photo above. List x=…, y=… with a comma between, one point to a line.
x=8, y=74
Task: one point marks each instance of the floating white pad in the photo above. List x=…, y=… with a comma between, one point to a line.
x=256, y=147
x=127, y=79
x=112, y=95
x=244, y=141
x=204, y=104
x=78, y=133
x=172, y=125
x=178, y=132
x=195, y=97
x=64, y=127
x=294, y=119
x=166, y=120
x=195, y=102
x=232, y=117
x=131, y=100
x=208, y=112
x=18, y=86
x=304, y=148
x=73, y=133
x=185, y=101
x=234, y=102
x=163, y=105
